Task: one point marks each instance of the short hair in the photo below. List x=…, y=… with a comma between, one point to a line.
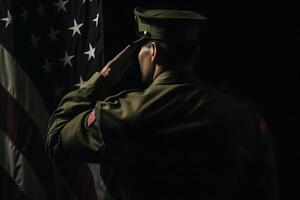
x=174, y=53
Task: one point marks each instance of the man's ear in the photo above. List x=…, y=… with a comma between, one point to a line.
x=153, y=52
x=156, y=53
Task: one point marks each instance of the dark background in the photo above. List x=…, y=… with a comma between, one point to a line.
x=248, y=46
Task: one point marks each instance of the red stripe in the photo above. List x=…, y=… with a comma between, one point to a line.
x=23, y=132
x=79, y=178
x=263, y=126
x=26, y=137
x=8, y=188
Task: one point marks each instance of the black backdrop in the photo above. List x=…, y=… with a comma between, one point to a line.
x=246, y=45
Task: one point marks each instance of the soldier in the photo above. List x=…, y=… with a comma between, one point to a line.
x=176, y=139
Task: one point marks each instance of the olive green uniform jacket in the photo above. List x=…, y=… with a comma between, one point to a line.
x=177, y=139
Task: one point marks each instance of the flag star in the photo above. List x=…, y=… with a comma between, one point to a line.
x=24, y=14
x=96, y=19
x=35, y=40
x=58, y=91
x=67, y=59
x=76, y=28
x=41, y=9
x=47, y=66
x=84, y=1
x=7, y=19
x=61, y=4
x=90, y=52
x=53, y=34
x=81, y=83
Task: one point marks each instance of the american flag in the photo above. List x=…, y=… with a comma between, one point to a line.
x=47, y=48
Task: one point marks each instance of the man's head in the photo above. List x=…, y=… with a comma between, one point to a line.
x=156, y=56
x=170, y=39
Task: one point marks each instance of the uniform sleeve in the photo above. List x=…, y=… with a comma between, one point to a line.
x=86, y=121
x=68, y=135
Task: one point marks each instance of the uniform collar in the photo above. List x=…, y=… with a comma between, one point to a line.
x=175, y=77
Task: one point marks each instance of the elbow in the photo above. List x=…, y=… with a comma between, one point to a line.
x=54, y=147
x=53, y=144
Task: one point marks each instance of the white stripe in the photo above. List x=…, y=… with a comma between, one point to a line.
x=101, y=191
x=20, y=170
x=19, y=86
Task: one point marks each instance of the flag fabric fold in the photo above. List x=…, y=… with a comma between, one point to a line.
x=47, y=48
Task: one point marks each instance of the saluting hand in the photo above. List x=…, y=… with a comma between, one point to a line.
x=115, y=69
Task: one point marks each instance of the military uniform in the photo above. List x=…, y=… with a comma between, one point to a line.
x=176, y=139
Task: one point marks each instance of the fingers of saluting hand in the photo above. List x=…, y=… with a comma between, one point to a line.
x=116, y=68
x=126, y=53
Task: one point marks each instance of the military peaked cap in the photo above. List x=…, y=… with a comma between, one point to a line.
x=165, y=24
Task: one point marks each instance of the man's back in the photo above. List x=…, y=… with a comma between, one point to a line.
x=189, y=141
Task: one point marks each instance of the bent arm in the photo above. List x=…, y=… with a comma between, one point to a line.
x=68, y=135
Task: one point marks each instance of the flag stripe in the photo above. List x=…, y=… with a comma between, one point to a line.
x=8, y=188
x=100, y=187
x=24, y=114
x=17, y=83
x=33, y=78
x=21, y=130
x=19, y=169
x=30, y=141
x=63, y=189
x=80, y=179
